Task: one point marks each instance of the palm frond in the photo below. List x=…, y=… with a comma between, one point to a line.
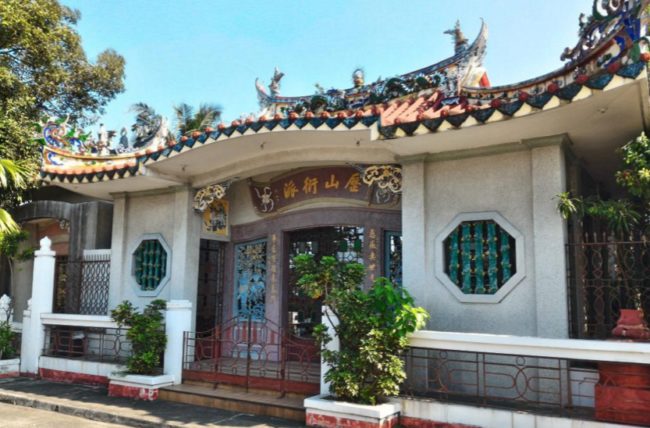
x=12, y=173
x=7, y=223
x=145, y=114
x=208, y=115
x=184, y=117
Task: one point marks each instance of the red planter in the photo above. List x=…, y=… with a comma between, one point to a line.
x=623, y=389
x=631, y=325
x=626, y=405
x=624, y=375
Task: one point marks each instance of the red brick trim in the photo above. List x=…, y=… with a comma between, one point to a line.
x=327, y=421
x=409, y=422
x=135, y=392
x=72, y=377
x=9, y=374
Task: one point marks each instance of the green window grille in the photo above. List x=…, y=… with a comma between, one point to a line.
x=150, y=264
x=479, y=256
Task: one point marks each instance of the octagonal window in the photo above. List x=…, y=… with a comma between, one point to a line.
x=480, y=258
x=150, y=264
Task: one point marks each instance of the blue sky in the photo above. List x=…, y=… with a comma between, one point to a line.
x=198, y=51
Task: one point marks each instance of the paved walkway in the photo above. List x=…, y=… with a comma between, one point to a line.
x=23, y=417
x=93, y=403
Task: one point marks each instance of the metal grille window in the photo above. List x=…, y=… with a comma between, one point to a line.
x=479, y=257
x=250, y=279
x=149, y=264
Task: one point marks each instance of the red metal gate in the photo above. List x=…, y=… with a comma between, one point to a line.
x=253, y=354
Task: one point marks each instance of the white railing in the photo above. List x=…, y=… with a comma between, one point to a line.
x=76, y=320
x=574, y=349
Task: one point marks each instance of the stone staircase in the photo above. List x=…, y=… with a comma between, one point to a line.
x=237, y=399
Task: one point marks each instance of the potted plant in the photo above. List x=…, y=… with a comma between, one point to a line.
x=146, y=332
x=623, y=391
x=372, y=328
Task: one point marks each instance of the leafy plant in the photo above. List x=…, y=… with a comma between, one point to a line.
x=6, y=340
x=623, y=216
x=372, y=330
x=146, y=333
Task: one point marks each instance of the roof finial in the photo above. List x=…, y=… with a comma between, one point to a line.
x=460, y=41
x=274, y=86
x=358, y=77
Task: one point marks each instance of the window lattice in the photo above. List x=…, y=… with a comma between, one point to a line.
x=479, y=256
x=150, y=264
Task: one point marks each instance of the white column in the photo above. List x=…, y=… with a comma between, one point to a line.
x=330, y=321
x=414, y=230
x=185, y=248
x=548, y=180
x=41, y=303
x=119, y=261
x=178, y=320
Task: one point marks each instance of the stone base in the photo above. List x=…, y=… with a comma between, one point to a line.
x=621, y=404
x=72, y=377
x=328, y=413
x=9, y=368
x=138, y=387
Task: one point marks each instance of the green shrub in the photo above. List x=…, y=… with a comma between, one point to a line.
x=6, y=340
x=146, y=334
x=372, y=330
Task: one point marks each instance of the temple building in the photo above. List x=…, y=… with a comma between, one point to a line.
x=434, y=178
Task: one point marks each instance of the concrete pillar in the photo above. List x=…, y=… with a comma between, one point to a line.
x=185, y=248
x=414, y=229
x=178, y=320
x=548, y=180
x=330, y=321
x=118, y=251
x=40, y=303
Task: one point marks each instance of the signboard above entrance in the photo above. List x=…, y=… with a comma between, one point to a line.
x=337, y=182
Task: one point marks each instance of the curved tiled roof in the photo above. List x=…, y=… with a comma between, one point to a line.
x=619, y=54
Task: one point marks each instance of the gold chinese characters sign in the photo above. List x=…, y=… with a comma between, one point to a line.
x=342, y=182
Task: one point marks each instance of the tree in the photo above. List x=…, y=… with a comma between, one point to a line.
x=44, y=71
x=187, y=120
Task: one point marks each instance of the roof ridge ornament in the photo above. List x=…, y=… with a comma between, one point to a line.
x=460, y=41
x=449, y=76
x=608, y=18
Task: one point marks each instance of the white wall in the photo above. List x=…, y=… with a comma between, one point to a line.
x=170, y=214
x=435, y=191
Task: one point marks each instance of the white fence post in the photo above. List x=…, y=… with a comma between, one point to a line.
x=178, y=320
x=41, y=303
x=330, y=321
